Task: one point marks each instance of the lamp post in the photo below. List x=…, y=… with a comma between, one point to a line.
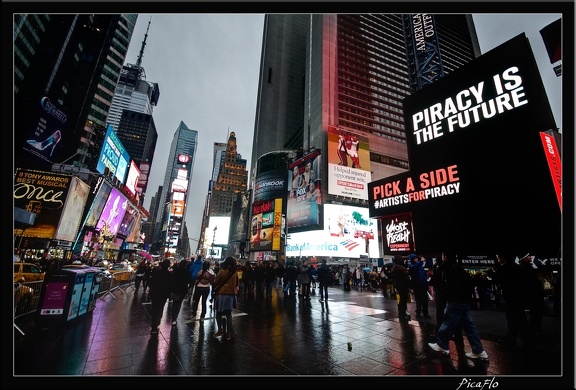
x=213, y=239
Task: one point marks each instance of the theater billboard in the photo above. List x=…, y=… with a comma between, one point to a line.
x=479, y=181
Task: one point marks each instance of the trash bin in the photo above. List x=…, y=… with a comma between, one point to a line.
x=67, y=293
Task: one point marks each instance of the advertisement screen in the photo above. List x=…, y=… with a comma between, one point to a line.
x=74, y=206
x=478, y=182
x=113, y=213
x=348, y=163
x=217, y=231
x=304, y=208
x=132, y=178
x=348, y=233
x=98, y=204
x=113, y=156
x=42, y=193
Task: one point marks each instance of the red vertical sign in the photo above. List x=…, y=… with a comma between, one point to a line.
x=554, y=163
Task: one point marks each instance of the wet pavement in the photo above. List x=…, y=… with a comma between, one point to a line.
x=284, y=336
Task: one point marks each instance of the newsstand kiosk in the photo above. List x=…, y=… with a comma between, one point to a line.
x=67, y=294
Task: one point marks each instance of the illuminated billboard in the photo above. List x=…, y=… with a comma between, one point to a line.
x=113, y=156
x=304, y=207
x=348, y=233
x=266, y=225
x=132, y=178
x=348, y=163
x=42, y=193
x=217, y=231
x=113, y=213
x=479, y=182
x=73, y=209
x=98, y=204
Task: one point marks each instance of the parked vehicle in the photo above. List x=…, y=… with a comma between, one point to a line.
x=27, y=272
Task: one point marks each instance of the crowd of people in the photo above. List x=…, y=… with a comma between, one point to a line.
x=516, y=285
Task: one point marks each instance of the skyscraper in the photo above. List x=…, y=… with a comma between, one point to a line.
x=66, y=67
x=131, y=114
x=349, y=72
x=231, y=179
x=176, y=187
x=343, y=77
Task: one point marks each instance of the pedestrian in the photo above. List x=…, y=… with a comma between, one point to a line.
x=305, y=279
x=419, y=280
x=438, y=280
x=459, y=286
x=290, y=277
x=259, y=276
x=324, y=280
x=146, y=277
x=204, y=281
x=401, y=285
x=225, y=290
x=179, y=287
x=508, y=277
x=280, y=270
x=140, y=272
x=269, y=278
x=247, y=280
x=160, y=283
x=534, y=296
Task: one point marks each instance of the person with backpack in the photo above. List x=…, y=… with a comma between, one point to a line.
x=204, y=281
x=195, y=266
x=458, y=286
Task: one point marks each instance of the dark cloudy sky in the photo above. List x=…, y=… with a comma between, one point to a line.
x=207, y=68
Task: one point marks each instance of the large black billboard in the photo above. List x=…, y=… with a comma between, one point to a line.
x=479, y=180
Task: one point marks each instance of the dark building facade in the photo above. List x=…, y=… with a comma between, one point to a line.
x=346, y=75
x=66, y=70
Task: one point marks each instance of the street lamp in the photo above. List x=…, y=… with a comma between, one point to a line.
x=212, y=244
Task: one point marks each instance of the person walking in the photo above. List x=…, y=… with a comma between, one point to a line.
x=160, y=283
x=508, y=277
x=225, y=289
x=324, y=280
x=459, y=286
x=204, y=281
x=401, y=285
x=140, y=273
x=305, y=279
x=290, y=277
x=247, y=280
x=534, y=297
x=179, y=288
x=419, y=280
x=438, y=281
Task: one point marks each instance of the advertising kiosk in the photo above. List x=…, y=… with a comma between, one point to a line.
x=67, y=294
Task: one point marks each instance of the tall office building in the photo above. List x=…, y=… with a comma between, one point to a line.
x=66, y=67
x=330, y=112
x=133, y=91
x=231, y=180
x=131, y=115
x=347, y=73
x=280, y=104
x=176, y=187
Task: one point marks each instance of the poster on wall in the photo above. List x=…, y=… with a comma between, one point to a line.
x=42, y=193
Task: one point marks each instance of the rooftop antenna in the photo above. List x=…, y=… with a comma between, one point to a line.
x=141, y=54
